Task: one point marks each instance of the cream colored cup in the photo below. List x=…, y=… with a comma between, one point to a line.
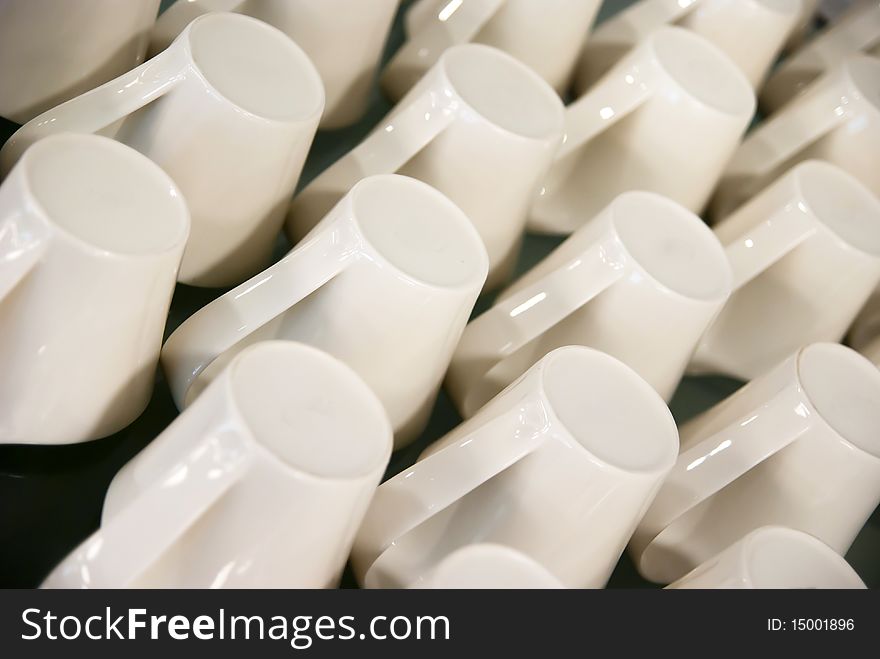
x=798, y=447
x=666, y=119
x=91, y=237
x=487, y=566
x=261, y=483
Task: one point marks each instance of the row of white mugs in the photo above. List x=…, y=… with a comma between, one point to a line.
x=269, y=479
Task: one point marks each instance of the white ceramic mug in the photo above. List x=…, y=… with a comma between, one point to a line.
x=797, y=447
x=480, y=127
x=773, y=557
x=385, y=282
x=805, y=255
x=559, y=466
x=666, y=119
x=837, y=119
x=343, y=38
x=767, y=24
x=487, y=566
x=641, y=281
x=91, y=236
x=858, y=31
x=546, y=35
x=53, y=50
x=228, y=111
x=872, y=350
x=803, y=26
x=261, y=483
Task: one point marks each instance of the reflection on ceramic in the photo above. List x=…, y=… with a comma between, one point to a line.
x=385, y=282
x=837, y=119
x=343, y=38
x=797, y=447
x=773, y=557
x=546, y=35
x=480, y=127
x=767, y=24
x=858, y=31
x=641, y=281
x=53, y=50
x=261, y=483
x=560, y=466
x=229, y=111
x=665, y=119
x=91, y=236
x=805, y=255
x=802, y=26
x=486, y=565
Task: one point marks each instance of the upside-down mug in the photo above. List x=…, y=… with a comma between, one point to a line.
x=487, y=565
x=343, y=38
x=261, y=483
x=385, y=283
x=836, y=119
x=773, y=557
x=666, y=118
x=805, y=255
x=768, y=24
x=229, y=111
x=858, y=31
x=641, y=281
x=91, y=236
x=560, y=466
x=480, y=127
x=546, y=35
x=53, y=50
x=798, y=447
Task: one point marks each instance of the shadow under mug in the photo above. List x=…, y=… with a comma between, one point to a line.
x=560, y=466
x=641, y=281
x=261, y=483
x=385, y=283
x=229, y=111
x=480, y=127
x=805, y=255
x=664, y=119
x=773, y=557
x=722, y=22
x=836, y=119
x=91, y=236
x=797, y=447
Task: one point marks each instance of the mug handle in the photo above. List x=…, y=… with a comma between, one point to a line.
x=124, y=546
x=24, y=238
x=221, y=324
x=761, y=246
x=531, y=311
x=385, y=150
x=101, y=108
x=466, y=18
x=707, y=467
x=437, y=481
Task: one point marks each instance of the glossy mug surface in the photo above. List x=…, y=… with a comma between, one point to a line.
x=857, y=31
x=91, y=237
x=560, y=466
x=343, y=39
x=796, y=447
x=486, y=565
x=480, y=127
x=261, y=483
x=773, y=557
x=768, y=24
x=836, y=119
x=385, y=282
x=641, y=281
x=53, y=50
x=229, y=111
x=805, y=255
x=666, y=118
x=545, y=35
